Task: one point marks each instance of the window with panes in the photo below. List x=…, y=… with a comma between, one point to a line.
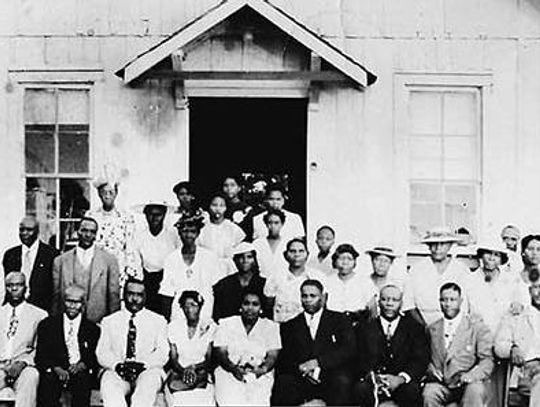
x=57, y=160
x=444, y=159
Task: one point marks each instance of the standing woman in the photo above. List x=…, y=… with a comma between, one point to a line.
x=237, y=209
x=221, y=235
x=190, y=267
x=246, y=348
x=116, y=229
x=530, y=253
x=190, y=338
x=271, y=247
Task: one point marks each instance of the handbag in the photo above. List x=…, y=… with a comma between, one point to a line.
x=174, y=380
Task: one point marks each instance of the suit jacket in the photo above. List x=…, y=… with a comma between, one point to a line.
x=518, y=330
x=103, y=296
x=470, y=351
x=51, y=348
x=152, y=346
x=41, y=282
x=409, y=348
x=24, y=341
x=333, y=346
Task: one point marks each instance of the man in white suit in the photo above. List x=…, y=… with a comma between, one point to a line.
x=19, y=321
x=132, y=349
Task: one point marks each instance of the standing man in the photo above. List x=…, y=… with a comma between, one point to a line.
x=65, y=353
x=132, y=349
x=91, y=268
x=19, y=322
x=420, y=295
x=35, y=260
x=152, y=246
x=317, y=350
x=461, y=355
x=393, y=354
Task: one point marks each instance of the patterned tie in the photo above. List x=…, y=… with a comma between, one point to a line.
x=13, y=325
x=131, y=338
x=312, y=330
x=72, y=343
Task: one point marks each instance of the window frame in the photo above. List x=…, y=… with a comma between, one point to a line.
x=57, y=175
x=404, y=83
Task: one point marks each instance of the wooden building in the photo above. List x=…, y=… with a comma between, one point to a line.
x=388, y=116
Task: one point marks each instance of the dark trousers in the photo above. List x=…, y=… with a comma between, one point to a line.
x=151, y=284
x=406, y=395
x=50, y=390
x=293, y=389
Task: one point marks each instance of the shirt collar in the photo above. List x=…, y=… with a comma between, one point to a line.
x=76, y=321
x=88, y=251
x=315, y=317
x=454, y=323
x=33, y=247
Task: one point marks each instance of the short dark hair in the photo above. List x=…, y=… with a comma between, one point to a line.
x=312, y=283
x=183, y=184
x=251, y=291
x=218, y=194
x=325, y=227
x=190, y=294
x=450, y=286
x=276, y=187
x=133, y=280
x=296, y=240
x=528, y=239
x=344, y=248
x=273, y=212
x=87, y=219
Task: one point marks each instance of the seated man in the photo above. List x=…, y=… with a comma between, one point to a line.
x=393, y=354
x=65, y=353
x=461, y=355
x=132, y=349
x=518, y=339
x=19, y=321
x=317, y=350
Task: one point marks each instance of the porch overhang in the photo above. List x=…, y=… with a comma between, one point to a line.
x=346, y=69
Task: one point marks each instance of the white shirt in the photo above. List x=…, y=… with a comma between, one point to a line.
x=389, y=327
x=450, y=328
x=28, y=258
x=271, y=262
x=325, y=265
x=313, y=321
x=72, y=342
x=491, y=300
x=85, y=256
x=152, y=250
x=423, y=283
x=293, y=226
x=352, y=294
x=285, y=288
x=192, y=350
x=200, y=276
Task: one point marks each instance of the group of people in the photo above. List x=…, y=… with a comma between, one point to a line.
x=225, y=305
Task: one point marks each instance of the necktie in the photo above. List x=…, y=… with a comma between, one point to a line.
x=13, y=325
x=389, y=331
x=312, y=330
x=72, y=342
x=448, y=335
x=27, y=267
x=131, y=339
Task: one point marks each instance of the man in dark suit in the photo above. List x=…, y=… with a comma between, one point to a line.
x=65, y=353
x=317, y=350
x=92, y=268
x=393, y=354
x=35, y=260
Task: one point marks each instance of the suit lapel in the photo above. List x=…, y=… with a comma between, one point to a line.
x=437, y=343
x=303, y=329
x=96, y=268
x=323, y=326
x=399, y=335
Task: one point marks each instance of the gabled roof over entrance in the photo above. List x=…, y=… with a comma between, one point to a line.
x=196, y=28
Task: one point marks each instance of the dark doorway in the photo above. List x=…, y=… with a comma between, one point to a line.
x=248, y=136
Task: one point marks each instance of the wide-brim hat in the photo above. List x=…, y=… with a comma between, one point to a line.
x=487, y=246
x=440, y=235
x=384, y=250
x=154, y=202
x=243, y=247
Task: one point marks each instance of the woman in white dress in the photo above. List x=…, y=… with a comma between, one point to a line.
x=221, y=235
x=190, y=338
x=271, y=248
x=246, y=348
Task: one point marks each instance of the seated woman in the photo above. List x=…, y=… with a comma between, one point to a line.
x=246, y=349
x=229, y=290
x=220, y=235
x=190, y=339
